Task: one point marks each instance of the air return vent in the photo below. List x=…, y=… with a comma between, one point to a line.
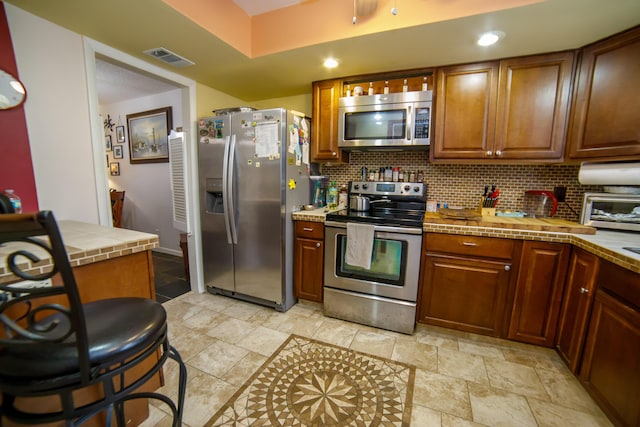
x=169, y=57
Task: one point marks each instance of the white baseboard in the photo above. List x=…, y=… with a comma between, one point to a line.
x=168, y=251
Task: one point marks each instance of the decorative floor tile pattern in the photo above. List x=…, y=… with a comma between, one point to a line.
x=307, y=382
x=462, y=379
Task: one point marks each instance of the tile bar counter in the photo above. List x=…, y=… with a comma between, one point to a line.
x=91, y=243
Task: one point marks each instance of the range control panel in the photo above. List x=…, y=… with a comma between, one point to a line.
x=394, y=189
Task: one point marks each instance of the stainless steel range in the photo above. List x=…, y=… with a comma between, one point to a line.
x=385, y=294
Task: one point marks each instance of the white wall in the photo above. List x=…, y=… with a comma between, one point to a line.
x=148, y=201
x=50, y=61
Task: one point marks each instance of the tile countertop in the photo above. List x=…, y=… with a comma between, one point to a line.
x=606, y=244
x=89, y=243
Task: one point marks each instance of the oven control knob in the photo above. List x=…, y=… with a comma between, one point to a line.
x=356, y=186
x=365, y=186
x=416, y=189
x=407, y=187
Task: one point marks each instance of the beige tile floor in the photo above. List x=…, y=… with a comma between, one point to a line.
x=462, y=379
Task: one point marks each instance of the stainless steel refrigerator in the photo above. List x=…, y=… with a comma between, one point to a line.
x=253, y=172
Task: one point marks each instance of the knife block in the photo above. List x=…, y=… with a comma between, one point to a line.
x=486, y=211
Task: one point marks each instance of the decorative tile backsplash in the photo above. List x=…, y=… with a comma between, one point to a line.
x=462, y=184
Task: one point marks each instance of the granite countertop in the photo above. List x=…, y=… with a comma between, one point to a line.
x=88, y=243
x=606, y=244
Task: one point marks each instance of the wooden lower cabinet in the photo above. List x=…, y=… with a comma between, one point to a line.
x=538, y=293
x=610, y=368
x=308, y=265
x=460, y=289
x=578, y=297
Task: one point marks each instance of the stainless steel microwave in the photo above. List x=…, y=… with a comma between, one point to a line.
x=611, y=210
x=385, y=121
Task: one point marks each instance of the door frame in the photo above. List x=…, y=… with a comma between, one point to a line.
x=188, y=90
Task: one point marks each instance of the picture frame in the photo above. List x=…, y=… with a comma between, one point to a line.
x=149, y=135
x=117, y=152
x=114, y=168
x=120, y=138
x=107, y=142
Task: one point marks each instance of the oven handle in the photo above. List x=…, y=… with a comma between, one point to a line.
x=381, y=228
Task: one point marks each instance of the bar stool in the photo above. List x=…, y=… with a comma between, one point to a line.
x=52, y=344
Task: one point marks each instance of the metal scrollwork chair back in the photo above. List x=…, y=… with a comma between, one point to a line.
x=53, y=344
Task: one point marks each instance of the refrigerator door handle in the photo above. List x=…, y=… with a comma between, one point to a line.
x=225, y=190
x=232, y=207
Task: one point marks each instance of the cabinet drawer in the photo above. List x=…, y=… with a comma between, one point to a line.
x=485, y=247
x=309, y=230
x=618, y=281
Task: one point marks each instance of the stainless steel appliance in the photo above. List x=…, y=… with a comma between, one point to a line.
x=384, y=295
x=252, y=176
x=385, y=121
x=617, y=211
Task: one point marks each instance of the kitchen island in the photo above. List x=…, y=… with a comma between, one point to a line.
x=107, y=263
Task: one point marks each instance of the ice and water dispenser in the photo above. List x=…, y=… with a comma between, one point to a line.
x=214, y=202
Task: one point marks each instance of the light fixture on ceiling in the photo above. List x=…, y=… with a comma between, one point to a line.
x=363, y=8
x=330, y=63
x=490, y=37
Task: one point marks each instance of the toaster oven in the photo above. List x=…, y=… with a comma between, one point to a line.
x=613, y=211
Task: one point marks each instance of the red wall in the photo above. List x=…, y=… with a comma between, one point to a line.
x=16, y=168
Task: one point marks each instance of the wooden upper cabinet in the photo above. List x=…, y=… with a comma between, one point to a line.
x=515, y=109
x=465, y=111
x=324, y=130
x=605, y=121
x=533, y=106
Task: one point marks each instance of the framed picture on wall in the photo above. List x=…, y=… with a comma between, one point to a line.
x=107, y=142
x=149, y=135
x=114, y=168
x=117, y=151
x=120, y=134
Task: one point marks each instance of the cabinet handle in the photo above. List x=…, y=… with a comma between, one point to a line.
x=498, y=153
x=334, y=153
x=507, y=267
x=469, y=244
x=584, y=290
x=307, y=229
x=317, y=244
x=489, y=153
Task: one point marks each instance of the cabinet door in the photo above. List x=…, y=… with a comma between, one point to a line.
x=464, y=294
x=605, y=121
x=538, y=294
x=533, y=105
x=308, y=268
x=576, y=304
x=465, y=111
x=611, y=366
x=324, y=140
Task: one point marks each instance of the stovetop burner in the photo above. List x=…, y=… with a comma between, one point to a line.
x=392, y=203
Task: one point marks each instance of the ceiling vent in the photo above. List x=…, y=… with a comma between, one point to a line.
x=169, y=57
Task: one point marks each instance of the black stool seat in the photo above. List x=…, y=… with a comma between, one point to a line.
x=50, y=349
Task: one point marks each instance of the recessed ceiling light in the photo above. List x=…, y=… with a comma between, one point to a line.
x=330, y=63
x=490, y=37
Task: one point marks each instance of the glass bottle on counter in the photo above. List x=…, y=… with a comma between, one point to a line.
x=405, y=86
x=15, y=201
x=396, y=175
x=332, y=196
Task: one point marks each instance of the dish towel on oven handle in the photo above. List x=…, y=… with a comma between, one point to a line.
x=359, y=244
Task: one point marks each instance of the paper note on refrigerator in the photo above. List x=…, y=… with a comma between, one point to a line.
x=266, y=139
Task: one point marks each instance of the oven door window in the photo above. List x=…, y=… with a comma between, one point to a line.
x=388, y=262
x=372, y=125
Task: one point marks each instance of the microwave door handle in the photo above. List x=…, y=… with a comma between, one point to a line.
x=409, y=123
